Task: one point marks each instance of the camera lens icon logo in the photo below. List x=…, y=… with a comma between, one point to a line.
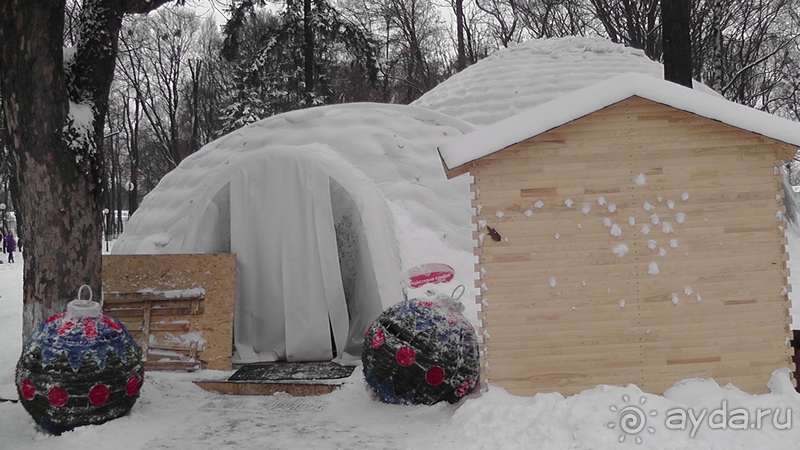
x=632, y=419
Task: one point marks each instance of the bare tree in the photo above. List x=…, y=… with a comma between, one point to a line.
x=155, y=55
x=130, y=115
x=505, y=25
x=634, y=23
x=416, y=56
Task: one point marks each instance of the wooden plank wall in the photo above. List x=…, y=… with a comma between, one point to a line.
x=562, y=312
x=130, y=281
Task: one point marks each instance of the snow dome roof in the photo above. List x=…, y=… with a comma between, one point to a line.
x=574, y=105
x=522, y=76
x=391, y=146
x=324, y=208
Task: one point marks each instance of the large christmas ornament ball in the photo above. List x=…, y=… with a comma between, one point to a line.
x=79, y=368
x=421, y=352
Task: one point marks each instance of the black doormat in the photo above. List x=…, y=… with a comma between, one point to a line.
x=292, y=371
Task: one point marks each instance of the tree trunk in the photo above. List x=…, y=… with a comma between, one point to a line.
x=194, y=141
x=55, y=117
x=308, y=51
x=677, y=45
x=716, y=31
x=56, y=191
x=132, y=131
x=462, y=54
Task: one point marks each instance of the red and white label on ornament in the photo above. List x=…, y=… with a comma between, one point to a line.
x=432, y=273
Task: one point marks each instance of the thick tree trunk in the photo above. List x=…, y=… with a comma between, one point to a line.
x=677, y=44
x=56, y=195
x=55, y=117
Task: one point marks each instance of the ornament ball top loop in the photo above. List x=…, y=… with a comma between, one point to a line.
x=81, y=290
x=80, y=308
x=460, y=289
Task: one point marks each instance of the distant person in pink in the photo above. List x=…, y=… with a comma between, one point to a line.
x=10, y=246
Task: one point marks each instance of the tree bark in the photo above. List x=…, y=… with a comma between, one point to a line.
x=55, y=113
x=677, y=45
x=716, y=55
x=308, y=51
x=461, y=63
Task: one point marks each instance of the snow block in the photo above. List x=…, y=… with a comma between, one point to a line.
x=421, y=352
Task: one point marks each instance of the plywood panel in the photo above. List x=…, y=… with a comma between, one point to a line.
x=573, y=334
x=171, y=284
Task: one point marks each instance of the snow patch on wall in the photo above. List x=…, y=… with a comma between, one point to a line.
x=620, y=250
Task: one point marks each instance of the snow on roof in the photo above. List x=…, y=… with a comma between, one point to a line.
x=525, y=75
x=391, y=146
x=574, y=105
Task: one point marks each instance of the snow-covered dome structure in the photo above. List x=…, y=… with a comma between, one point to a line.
x=323, y=208
x=525, y=75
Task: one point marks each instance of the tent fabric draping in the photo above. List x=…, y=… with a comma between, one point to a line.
x=290, y=301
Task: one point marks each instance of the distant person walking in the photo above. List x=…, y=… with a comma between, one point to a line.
x=10, y=246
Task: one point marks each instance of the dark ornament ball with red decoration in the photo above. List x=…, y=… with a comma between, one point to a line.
x=79, y=370
x=421, y=352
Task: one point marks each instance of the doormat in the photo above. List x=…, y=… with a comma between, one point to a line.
x=292, y=371
x=231, y=404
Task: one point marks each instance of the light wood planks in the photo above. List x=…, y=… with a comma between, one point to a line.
x=553, y=288
x=156, y=298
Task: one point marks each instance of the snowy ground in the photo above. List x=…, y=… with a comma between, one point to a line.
x=173, y=413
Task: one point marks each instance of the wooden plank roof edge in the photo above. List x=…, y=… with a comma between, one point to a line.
x=545, y=117
x=454, y=172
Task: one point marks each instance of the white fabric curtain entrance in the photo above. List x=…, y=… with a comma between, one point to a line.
x=289, y=297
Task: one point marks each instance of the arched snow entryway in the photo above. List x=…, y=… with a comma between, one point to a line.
x=383, y=157
x=307, y=284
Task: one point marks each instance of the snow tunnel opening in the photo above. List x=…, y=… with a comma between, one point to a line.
x=254, y=334
x=356, y=267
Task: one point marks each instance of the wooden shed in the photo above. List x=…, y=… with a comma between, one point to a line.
x=630, y=232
